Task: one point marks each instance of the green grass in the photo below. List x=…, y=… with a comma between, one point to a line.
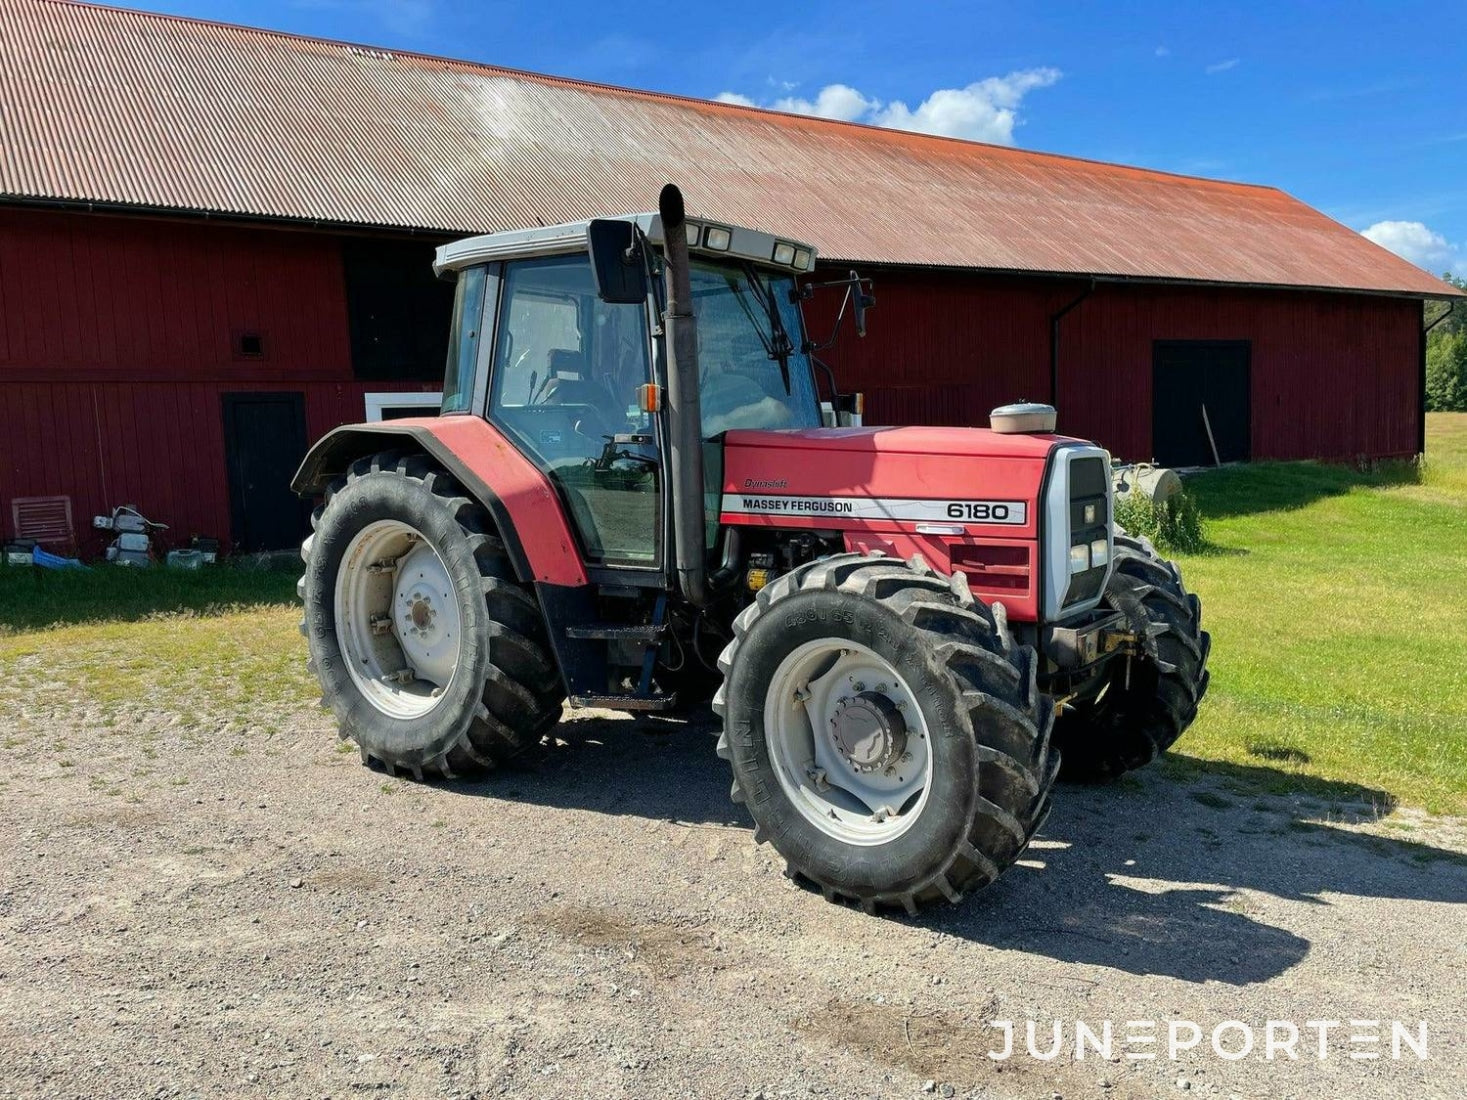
x=1337, y=603
x=38, y=599
x=218, y=648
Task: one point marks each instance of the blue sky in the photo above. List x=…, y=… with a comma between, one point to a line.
x=1356, y=108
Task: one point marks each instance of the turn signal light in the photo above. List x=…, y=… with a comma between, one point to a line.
x=649, y=397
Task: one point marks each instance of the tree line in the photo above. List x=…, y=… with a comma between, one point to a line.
x=1446, y=353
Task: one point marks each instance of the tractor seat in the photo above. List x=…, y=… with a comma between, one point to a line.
x=570, y=385
x=566, y=363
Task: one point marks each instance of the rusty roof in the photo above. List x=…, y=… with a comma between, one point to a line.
x=119, y=107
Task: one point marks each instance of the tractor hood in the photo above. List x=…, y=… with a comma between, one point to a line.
x=967, y=500
x=891, y=478
x=919, y=440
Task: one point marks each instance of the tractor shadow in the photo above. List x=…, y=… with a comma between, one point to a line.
x=661, y=769
x=1179, y=871
x=1173, y=871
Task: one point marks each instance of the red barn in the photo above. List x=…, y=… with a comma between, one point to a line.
x=215, y=245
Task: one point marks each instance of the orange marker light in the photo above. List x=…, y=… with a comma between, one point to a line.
x=649, y=397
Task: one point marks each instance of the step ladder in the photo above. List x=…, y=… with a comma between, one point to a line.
x=650, y=636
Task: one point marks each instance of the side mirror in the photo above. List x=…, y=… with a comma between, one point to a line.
x=861, y=301
x=617, y=261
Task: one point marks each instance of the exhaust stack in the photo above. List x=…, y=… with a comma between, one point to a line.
x=684, y=409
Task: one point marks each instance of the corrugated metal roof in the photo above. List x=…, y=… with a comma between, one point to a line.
x=122, y=107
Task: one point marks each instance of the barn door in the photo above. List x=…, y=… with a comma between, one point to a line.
x=1189, y=376
x=264, y=442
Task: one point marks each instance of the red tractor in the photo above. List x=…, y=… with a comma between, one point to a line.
x=635, y=497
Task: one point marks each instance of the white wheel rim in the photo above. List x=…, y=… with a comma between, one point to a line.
x=853, y=787
x=397, y=619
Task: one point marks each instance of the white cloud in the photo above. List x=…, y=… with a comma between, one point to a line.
x=1420, y=244
x=838, y=101
x=1222, y=66
x=983, y=111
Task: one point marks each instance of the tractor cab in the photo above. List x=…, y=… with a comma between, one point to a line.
x=558, y=341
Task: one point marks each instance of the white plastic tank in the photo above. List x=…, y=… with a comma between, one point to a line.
x=1155, y=482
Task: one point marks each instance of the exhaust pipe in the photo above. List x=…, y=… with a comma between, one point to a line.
x=684, y=409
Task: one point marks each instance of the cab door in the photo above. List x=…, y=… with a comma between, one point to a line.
x=564, y=386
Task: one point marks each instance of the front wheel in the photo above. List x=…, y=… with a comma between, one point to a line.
x=1146, y=702
x=885, y=733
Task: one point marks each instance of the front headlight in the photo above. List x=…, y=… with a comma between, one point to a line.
x=1079, y=558
x=1099, y=553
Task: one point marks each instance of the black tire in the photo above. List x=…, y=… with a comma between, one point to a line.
x=506, y=693
x=1144, y=709
x=992, y=765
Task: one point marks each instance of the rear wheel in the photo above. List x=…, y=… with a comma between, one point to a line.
x=430, y=654
x=884, y=731
x=1147, y=702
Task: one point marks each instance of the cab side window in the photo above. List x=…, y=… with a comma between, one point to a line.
x=567, y=367
x=463, y=341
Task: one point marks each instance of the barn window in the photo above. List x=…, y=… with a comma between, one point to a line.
x=397, y=309
x=247, y=343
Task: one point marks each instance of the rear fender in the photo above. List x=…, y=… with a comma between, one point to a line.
x=520, y=498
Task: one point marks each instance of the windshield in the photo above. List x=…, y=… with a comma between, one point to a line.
x=753, y=368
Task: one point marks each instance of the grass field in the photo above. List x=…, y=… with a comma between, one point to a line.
x=1336, y=601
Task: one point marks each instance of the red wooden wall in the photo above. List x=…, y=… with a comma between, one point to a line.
x=117, y=339
x=1334, y=376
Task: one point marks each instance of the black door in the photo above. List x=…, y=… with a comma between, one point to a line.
x=1197, y=384
x=264, y=442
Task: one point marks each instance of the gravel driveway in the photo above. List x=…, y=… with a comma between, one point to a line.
x=178, y=917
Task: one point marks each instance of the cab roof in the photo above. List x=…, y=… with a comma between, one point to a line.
x=568, y=237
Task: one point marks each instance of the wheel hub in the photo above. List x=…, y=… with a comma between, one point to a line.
x=398, y=619
x=868, y=731
x=848, y=740
x=420, y=614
